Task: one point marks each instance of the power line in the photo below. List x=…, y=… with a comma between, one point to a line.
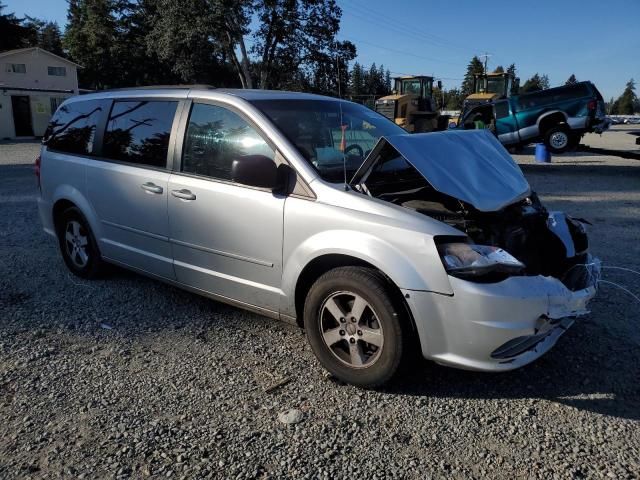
x=385, y=20
x=400, y=52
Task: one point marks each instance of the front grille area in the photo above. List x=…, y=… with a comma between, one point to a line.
x=388, y=110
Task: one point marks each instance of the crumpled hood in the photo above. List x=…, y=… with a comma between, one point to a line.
x=470, y=165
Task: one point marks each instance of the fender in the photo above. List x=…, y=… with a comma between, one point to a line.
x=75, y=196
x=548, y=113
x=427, y=274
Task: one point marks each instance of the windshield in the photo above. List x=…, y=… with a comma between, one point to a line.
x=315, y=129
x=496, y=85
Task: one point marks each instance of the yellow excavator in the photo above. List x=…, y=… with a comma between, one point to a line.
x=411, y=105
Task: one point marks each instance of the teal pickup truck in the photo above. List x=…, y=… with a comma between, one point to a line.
x=559, y=116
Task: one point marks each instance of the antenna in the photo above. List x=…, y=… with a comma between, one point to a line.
x=342, y=127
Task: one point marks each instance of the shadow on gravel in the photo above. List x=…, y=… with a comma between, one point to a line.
x=570, y=169
x=579, y=372
x=595, y=366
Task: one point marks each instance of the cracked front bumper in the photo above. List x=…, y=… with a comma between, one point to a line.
x=497, y=326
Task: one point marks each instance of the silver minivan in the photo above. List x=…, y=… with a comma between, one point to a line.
x=320, y=212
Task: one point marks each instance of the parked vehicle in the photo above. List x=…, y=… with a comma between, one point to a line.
x=490, y=87
x=412, y=106
x=559, y=117
x=239, y=195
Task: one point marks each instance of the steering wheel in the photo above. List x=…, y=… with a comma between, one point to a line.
x=354, y=146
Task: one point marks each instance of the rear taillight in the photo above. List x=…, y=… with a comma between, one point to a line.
x=592, y=105
x=36, y=169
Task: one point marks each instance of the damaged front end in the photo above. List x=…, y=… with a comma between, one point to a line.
x=467, y=180
x=514, y=252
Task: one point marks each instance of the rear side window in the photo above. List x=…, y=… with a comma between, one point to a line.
x=215, y=137
x=138, y=132
x=73, y=127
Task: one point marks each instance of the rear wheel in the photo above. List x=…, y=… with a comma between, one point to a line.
x=78, y=245
x=558, y=139
x=354, y=327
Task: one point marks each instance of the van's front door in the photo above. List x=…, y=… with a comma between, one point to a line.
x=226, y=238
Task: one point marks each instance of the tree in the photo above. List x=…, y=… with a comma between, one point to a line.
x=475, y=66
x=572, y=80
x=499, y=69
x=184, y=35
x=90, y=37
x=14, y=33
x=387, y=82
x=356, y=83
x=626, y=103
x=536, y=82
x=512, y=70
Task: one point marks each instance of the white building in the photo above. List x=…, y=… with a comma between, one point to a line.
x=33, y=82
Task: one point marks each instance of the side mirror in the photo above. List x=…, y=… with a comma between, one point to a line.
x=255, y=171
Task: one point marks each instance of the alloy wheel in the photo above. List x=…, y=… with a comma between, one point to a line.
x=350, y=329
x=76, y=241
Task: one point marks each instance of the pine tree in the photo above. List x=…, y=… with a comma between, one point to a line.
x=387, y=82
x=13, y=33
x=536, y=82
x=90, y=38
x=572, y=80
x=499, y=69
x=475, y=67
x=356, y=83
x=627, y=102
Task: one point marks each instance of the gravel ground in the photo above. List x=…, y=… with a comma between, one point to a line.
x=127, y=377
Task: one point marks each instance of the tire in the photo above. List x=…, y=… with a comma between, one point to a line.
x=78, y=245
x=366, y=351
x=574, y=141
x=558, y=139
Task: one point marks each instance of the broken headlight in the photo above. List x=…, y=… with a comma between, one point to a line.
x=470, y=260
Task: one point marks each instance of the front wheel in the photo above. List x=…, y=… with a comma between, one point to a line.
x=558, y=139
x=354, y=326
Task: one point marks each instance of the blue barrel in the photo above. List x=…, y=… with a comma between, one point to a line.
x=542, y=154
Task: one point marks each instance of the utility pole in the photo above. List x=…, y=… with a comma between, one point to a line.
x=486, y=57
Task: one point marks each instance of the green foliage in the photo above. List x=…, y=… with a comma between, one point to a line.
x=499, y=69
x=536, y=82
x=572, y=80
x=14, y=33
x=627, y=103
x=45, y=35
x=91, y=38
x=372, y=82
x=475, y=67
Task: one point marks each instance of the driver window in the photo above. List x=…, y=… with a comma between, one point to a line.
x=215, y=137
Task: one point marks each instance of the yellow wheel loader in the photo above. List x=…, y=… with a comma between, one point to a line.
x=411, y=105
x=489, y=87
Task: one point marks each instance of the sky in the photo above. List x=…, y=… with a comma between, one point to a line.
x=594, y=39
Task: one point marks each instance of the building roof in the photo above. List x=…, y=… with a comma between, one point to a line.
x=39, y=50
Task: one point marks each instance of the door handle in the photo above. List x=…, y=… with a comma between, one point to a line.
x=184, y=194
x=151, y=187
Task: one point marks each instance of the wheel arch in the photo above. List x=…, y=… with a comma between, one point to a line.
x=324, y=263
x=549, y=119
x=67, y=196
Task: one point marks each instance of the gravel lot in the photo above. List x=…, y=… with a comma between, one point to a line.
x=127, y=377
